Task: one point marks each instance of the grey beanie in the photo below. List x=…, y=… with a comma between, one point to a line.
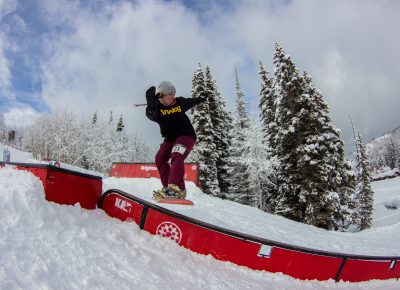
x=166, y=88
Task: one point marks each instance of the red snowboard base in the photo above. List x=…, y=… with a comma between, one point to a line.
x=176, y=201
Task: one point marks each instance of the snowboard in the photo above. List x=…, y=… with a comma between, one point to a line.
x=179, y=201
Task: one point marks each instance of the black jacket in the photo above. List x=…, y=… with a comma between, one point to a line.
x=172, y=119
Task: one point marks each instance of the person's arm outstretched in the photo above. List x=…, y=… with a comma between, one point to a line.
x=189, y=103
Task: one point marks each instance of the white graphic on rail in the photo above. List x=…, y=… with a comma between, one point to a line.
x=169, y=230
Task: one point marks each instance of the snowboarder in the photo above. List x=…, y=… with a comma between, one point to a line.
x=178, y=133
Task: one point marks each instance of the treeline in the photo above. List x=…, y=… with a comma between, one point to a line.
x=384, y=152
x=89, y=143
x=290, y=161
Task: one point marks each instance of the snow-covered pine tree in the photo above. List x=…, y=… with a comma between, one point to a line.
x=322, y=151
x=268, y=126
x=140, y=151
x=94, y=119
x=122, y=152
x=257, y=166
x=364, y=194
x=63, y=137
x=392, y=153
x=267, y=105
x=385, y=151
x=290, y=199
x=239, y=189
x=315, y=180
x=111, y=118
x=120, y=125
x=103, y=146
x=205, y=150
x=221, y=121
x=3, y=128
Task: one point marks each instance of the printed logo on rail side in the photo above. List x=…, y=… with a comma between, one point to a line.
x=148, y=168
x=169, y=230
x=123, y=205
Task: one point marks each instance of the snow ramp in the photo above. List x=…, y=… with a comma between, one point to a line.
x=65, y=186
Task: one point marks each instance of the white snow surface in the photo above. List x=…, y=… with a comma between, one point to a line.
x=44, y=245
x=16, y=155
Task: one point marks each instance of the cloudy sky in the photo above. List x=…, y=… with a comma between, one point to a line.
x=102, y=55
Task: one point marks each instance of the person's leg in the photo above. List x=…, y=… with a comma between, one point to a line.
x=181, y=149
x=162, y=157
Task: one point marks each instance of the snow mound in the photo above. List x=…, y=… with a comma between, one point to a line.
x=392, y=204
x=44, y=245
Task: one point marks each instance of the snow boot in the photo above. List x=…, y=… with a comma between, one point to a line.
x=173, y=191
x=159, y=194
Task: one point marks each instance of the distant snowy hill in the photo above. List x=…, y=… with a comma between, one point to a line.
x=386, y=135
x=384, y=154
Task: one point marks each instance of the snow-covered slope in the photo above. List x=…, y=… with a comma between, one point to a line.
x=49, y=246
x=16, y=155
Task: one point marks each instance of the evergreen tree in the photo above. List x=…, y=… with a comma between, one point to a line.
x=267, y=105
x=364, y=196
x=322, y=151
x=239, y=189
x=94, y=119
x=384, y=152
x=221, y=122
x=111, y=118
x=241, y=111
x=356, y=159
x=315, y=180
x=392, y=153
x=122, y=151
x=62, y=137
x=11, y=137
x=257, y=166
x=120, y=125
x=290, y=200
x=3, y=127
x=205, y=150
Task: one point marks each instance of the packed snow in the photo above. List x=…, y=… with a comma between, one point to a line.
x=47, y=246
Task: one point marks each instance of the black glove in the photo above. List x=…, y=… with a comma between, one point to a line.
x=151, y=97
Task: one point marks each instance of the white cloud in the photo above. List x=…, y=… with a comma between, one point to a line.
x=21, y=115
x=5, y=74
x=114, y=55
x=108, y=54
x=10, y=23
x=6, y=7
